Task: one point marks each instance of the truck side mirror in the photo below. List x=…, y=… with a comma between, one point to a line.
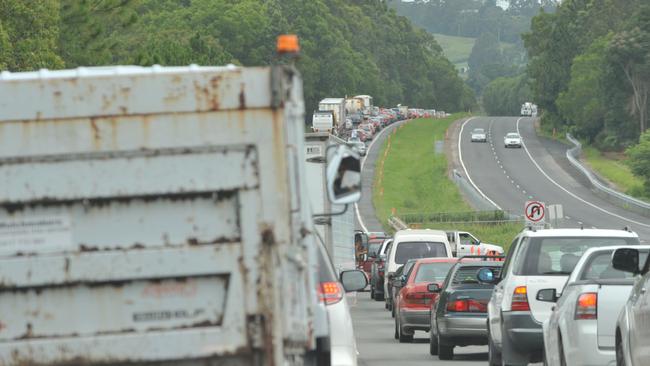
x=343, y=175
x=626, y=260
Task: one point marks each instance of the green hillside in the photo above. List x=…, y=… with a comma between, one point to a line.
x=457, y=49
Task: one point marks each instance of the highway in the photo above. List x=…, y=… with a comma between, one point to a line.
x=538, y=171
x=507, y=177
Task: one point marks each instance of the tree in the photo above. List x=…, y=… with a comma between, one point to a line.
x=639, y=160
x=583, y=104
x=28, y=34
x=630, y=52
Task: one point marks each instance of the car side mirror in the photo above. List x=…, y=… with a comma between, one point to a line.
x=626, y=260
x=353, y=280
x=382, y=257
x=343, y=175
x=433, y=287
x=486, y=275
x=547, y=295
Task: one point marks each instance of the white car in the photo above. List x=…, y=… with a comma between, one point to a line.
x=357, y=145
x=633, y=326
x=343, y=345
x=415, y=244
x=512, y=139
x=581, y=328
x=537, y=260
x=479, y=135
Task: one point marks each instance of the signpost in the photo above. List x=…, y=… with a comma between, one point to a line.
x=535, y=213
x=555, y=214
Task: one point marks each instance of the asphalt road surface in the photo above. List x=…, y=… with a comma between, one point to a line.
x=538, y=171
x=374, y=327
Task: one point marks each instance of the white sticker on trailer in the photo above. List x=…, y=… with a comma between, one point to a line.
x=35, y=233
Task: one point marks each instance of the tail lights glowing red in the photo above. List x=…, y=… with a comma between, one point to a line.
x=520, y=299
x=587, y=306
x=330, y=292
x=467, y=306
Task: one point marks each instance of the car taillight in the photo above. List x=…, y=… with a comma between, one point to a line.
x=416, y=299
x=330, y=292
x=520, y=299
x=467, y=306
x=587, y=306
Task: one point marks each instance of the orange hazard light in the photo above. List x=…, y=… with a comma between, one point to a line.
x=288, y=43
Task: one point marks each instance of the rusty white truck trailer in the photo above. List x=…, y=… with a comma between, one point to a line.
x=158, y=215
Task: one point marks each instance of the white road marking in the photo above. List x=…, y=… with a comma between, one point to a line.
x=469, y=178
x=363, y=162
x=523, y=144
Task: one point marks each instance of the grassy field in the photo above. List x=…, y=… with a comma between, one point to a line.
x=457, y=49
x=613, y=168
x=414, y=179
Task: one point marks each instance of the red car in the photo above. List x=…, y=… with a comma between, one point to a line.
x=373, y=249
x=414, y=300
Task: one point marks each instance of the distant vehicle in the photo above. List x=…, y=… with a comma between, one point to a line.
x=338, y=234
x=536, y=260
x=337, y=106
x=415, y=244
x=404, y=111
x=322, y=121
x=396, y=283
x=353, y=105
x=459, y=313
x=166, y=223
x=378, y=271
x=526, y=109
x=373, y=249
x=582, y=326
x=633, y=325
x=359, y=146
x=413, y=301
x=512, y=139
x=368, y=129
x=464, y=243
x=366, y=101
x=479, y=135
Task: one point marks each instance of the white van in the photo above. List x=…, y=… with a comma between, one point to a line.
x=412, y=244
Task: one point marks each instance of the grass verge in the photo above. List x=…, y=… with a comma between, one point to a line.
x=410, y=176
x=612, y=167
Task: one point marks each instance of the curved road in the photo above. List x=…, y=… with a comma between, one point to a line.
x=538, y=171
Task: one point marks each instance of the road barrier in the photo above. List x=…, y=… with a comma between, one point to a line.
x=615, y=197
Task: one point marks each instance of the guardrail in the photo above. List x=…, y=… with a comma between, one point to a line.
x=615, y=197
x=396, y=223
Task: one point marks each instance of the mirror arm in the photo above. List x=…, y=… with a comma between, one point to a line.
x=345, y=209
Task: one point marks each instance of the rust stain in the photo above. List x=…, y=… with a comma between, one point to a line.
x=97, y=138
x=242, y=98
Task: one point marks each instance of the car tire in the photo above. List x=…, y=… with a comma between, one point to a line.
x=403, y=338
x=506, y=146
x=494, y=357
x=445, y=351
x=392, y=311
x=433, y=343
x=396, y=329
x=372, y=292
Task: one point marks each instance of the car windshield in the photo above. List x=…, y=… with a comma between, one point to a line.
x=432, y=272
x=512, y=135
x=419, y=249
x=479, y=130
x=599, y=267
x=558, y=256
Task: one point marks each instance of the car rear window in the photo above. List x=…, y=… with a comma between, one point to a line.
x=558, y=256
x=419, y=249
x=432, y=272
x=373, y=249
x=467, y=274
x=599, y=267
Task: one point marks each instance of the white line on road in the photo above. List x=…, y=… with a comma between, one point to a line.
x=363, y=163
x=460, y=157
x=567, y=191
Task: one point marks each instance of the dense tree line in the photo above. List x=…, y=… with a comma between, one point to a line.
x=348, y=46
x=590, y=69
x=498, y=51
x=504, y=96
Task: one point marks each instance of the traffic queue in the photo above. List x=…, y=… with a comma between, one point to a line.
x=558, y=296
